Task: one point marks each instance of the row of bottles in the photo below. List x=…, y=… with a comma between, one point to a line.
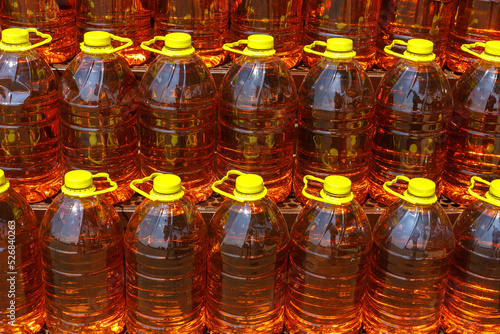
x=244, y=272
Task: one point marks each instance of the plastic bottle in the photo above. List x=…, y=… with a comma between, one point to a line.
x=81, y=240
x=177, y=108
x=127, y=18
x=21, y=286
x=473, y=21
x=473, y=293
x=248, y=253
x=407, y=19
x=413, y=108
x=473, y=147
x=281, y=19
x=206, y=21
x=56, y=18
x=336, y=110
x=256, y=116
x=166, y=247
x=97, y=104
x=29, y=120
x=410, y=259
x=329, y=256
x=355, y=20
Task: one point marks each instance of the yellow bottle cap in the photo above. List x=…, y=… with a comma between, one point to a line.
x=177, y=40
x=495, y=188
x=167, y=184
x=339, y=44
x=78, y=179
x=249, y=184
x=421, y=187
x=260, y=42
x=337, y=185
x=420, y=46
x=492, y=48
x=97, y=39
x=15, y=36
x=4, y=184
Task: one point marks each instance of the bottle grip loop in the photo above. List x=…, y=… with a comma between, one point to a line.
x=488, y=198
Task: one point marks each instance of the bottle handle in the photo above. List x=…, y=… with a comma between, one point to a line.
x=47, y=39
x=139, y=181
x=246, y=52
x=333, y=55
x=221, y=181
x=395, y=193
x=324, y=197
x=488, y=198
x=113, y=187
x=467, y=48
x=407, y=55
x=181, y=52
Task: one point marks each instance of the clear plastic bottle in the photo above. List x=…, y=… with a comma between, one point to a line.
x=473, y=148
x=472, y=300
x=53, y=17
x=281, y=19
x=166, y=247
x=256, y=116
x=412, y=248
x=407, y=19
x=177, y=109
x=413, y=108
x=336, y=109
x=248, y=252
x=81, y=240
x=29, y=120
x=207, y=21
x=97, y=104
x=21, y=287
x=329, y=256
x=355, y=20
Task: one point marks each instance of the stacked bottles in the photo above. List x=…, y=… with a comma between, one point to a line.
x=128, y=18
x=335, y=119
x=166, y=249
x=98, y=102
x=53, y=17
x=257, y=110
x=29, y=122
x=410, y=259
x=81, y=240
x=406, y=19
x=177, y=108
x=248, y=250
x=281, y=19
x=206, y=21
x=355, y=20
x=473, y=294
x=412, y=113
x=329, y=253
x=21, y=286
x=473, y=144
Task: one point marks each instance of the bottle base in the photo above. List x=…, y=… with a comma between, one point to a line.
x=34, y=193
x=452, y=325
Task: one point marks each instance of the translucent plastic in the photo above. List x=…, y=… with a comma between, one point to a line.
x=177, y=108
x=124, y=18
x=166, y=249
x=342, y=18
x=53, y=17
x=281, y=19
x=473, y=293
x=474, y=140
x=473, y=21
x=257, y=110
x=29, y=125
x=247, y=268
x=329, y=256
x=205, y=20
x=412, y=115
x=410, y=260
x=82, y=256
x=336, y=109
x=406, y=19
x=98, y=102
x=20, y=274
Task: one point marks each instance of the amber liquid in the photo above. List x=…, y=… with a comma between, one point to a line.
x=329, y=255
x=82, y=256
x=20, y=273
x=410, y=260
x=281, y=19
x=177, y=113
x=473, y=295
x=406, y=19
x=335, y=124
x=53, y=17
x=29, y=125
x=98, y=102
x=205, y=20
x=326, y=19
x=166, y=249
x=247, y=268
x=124, y=18
x=474, y=21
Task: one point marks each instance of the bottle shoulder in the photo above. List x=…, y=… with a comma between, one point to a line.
x=16, y=213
